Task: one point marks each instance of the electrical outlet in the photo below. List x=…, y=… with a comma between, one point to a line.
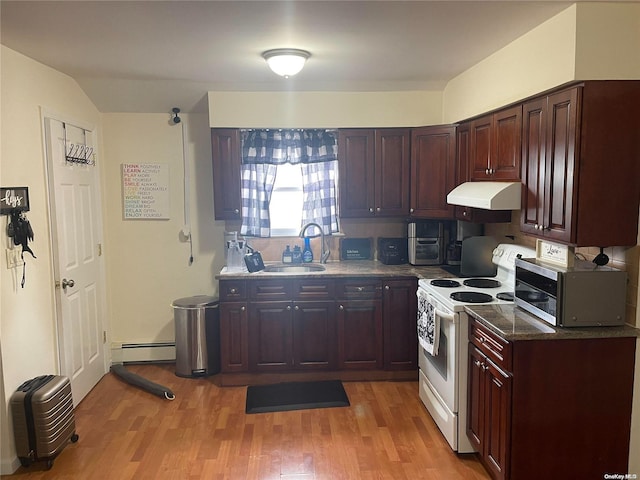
x=13, y=258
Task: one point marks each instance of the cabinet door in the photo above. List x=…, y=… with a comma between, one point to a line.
x=560, y=163
x=356, y=163
x=270, y=341
x=433, y=171
x=360, y=335
x=495, y=146
x=481, y=146
x=505, y=157
x=533, y=163
x=399, y=318
x=226, y=158
x=234, y=348
x=497, y=420
x=314, y=335
x=475, y=398
x=392, y=164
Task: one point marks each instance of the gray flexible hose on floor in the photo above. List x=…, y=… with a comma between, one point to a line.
x=141, y=382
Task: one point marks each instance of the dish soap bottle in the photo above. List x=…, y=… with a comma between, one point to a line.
x=307, y=253
x=287, y=255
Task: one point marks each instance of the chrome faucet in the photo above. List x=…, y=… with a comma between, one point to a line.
x=324, y=254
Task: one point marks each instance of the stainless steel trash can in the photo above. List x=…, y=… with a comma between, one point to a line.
x=197, y=324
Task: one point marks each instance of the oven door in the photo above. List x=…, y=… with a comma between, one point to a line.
x=441, y=369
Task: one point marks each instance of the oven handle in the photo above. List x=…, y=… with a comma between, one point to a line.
x=451, y=317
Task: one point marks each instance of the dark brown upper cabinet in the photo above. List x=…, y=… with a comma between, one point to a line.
x=374, y=172
x=433, y=171
x=580, y=164
x=495, y=146
x=225, y=154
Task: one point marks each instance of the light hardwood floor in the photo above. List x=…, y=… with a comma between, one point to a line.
x=126, y=433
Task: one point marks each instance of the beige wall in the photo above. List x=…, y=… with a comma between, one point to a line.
x=148, y=259
x=606, y=34
x=540, y=59
x=27, y=319
x=324, y=109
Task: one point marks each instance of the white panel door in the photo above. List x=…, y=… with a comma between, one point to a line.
x=78, y=266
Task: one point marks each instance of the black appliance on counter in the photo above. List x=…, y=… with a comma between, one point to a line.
x=392, y=251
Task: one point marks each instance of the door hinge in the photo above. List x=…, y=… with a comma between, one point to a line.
x=104, y=336
x=99, y=249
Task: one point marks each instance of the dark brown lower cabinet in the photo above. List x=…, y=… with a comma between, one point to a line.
x=399, y=318
x=234, y=332
x=318, y=324
x=550, y=408
x=314, y=334
x=360, y=345
x=490, y=412
x=271, y=336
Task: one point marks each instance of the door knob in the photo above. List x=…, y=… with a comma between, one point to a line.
x=67, y=283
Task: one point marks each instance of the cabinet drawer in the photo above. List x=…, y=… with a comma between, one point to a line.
x=359, y=288
x=270, y=290
x=493, y=346
x=313, y=289
x=233, y=290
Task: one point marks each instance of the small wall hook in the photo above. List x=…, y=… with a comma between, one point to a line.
x=176, y=118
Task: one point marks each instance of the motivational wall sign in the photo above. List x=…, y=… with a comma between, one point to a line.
x=145, y=190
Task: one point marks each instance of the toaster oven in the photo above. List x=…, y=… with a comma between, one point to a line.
x=579, y=296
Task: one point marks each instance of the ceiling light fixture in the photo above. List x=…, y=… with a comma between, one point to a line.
x=286, y=61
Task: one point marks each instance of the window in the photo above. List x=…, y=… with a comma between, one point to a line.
x=289, y=178
x=285, y=207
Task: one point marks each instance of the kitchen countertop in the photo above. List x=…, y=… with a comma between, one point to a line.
x=514, y=324
x=508, y=321
x=364, y=268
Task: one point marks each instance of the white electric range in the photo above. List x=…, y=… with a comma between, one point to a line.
x=443, y=376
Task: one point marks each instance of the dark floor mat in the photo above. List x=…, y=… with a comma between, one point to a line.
x=281, y=397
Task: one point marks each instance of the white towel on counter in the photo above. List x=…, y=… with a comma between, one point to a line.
x=428, y=324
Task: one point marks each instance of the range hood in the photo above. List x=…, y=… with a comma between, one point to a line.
x=487, y=195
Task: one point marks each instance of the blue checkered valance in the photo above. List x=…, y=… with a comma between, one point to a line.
x=275, y=147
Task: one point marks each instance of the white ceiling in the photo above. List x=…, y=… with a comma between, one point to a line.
x=149, y=56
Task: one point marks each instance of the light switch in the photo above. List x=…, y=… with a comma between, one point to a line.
x=14, y=258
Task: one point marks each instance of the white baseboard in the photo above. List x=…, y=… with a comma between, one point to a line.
x=8, y=467
x=143, y=352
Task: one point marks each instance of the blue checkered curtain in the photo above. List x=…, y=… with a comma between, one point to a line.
x=316, y=150
x=319, y=196
x=257, y=185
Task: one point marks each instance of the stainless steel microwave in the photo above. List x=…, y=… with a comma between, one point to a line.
x=584, y=295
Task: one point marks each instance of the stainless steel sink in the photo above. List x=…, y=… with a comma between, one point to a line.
x=314, y=267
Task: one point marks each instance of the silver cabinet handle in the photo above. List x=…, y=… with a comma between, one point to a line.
x=233, y=291
x=242, y=309
x=236, y=211
x=288, y=307
x=387, y=287
x=378, y=209
x=477, y=363
x=341, y=307
x=370, y=209
x=296, y=307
